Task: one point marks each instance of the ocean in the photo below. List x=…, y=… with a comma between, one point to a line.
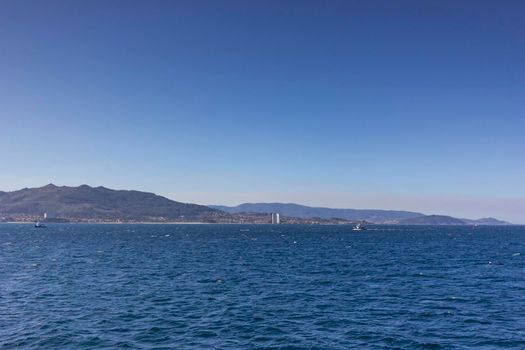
x=75, y=286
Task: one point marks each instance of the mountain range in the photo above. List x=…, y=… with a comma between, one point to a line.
x=305, y=212
x=100, y=204
x=375, y=216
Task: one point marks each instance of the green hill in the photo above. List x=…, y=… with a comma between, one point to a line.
x=100, y=204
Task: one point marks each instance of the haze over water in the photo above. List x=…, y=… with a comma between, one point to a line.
x=261, y=287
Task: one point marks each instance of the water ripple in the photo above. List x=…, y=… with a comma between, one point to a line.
x=261, y=287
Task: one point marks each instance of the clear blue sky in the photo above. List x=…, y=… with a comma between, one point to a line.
x=415, y=105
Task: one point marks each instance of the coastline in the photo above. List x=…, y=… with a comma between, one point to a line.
x=116, y=223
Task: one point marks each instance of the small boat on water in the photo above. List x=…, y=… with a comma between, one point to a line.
x=359, y=227
x=38, y=224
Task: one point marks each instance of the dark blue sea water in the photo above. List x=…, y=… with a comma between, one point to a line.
x=261, y=287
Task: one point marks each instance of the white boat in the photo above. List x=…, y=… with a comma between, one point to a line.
x=38, y=224
x=359, y=227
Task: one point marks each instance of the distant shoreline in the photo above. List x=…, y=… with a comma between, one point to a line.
x=238, y=223
x=115, y=223
x=93, y=205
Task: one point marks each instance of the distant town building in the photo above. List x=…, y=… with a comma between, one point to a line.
x=45, y=215
x=275, y=218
